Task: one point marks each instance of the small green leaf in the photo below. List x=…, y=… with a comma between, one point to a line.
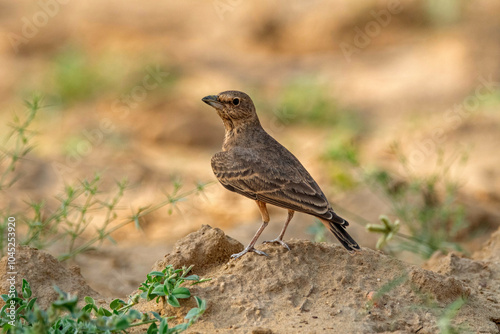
x=152, y=329
x=157, y=273
x=66, y=303
x=134, y=314
x=60, y=292
x=103, y=311
x=166, y=289
x=180, y=328
x=89, y=300
x=163, y=327
x=31, y=303
x=122, y=324
x=6, y=328
x=181, y=292
x=116, y=304
x=192, y=313
x=157, y=316
x=203, y=305
x=173, y=301
x=26, y=290
x=88, y=308
x=381, y=242
x=150, y=292
x=376, y=228
x=159, y=290
x=192, y=278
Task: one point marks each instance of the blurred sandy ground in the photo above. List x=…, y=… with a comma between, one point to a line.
x=124, y=82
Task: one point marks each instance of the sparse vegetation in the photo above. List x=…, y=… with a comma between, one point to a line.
x=445, y=322
x=426, y=212
x=79, y=204
x=426, y=206
x=18, y=143
x=76, y=78
x=70, y=219
x=307, y=101
x=445, y=315
x=64, y=315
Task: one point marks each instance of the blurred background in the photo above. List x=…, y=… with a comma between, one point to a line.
x=393, y=107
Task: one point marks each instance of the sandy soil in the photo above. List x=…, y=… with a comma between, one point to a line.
x=313, y=288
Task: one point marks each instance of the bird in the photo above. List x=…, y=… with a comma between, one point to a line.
x=255, y=165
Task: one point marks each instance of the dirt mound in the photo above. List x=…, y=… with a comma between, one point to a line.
x=43, y=271
x=313, y=288
x=491, y=251
x=205, y=249
x=318, y=287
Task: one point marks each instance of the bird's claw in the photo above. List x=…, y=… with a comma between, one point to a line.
x=246, y=250
x=277, y=240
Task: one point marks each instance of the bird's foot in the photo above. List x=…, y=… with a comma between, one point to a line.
x=246, y=250
x=277, y=240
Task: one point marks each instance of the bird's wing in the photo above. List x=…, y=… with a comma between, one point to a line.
x=284, y=183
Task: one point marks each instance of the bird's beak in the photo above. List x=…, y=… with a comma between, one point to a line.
x=212, y=101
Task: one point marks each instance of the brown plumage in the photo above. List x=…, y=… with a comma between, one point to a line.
x=255, y=165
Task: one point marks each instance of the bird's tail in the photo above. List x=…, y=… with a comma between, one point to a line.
x=337, y=227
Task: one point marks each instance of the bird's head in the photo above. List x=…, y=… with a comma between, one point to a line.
x=235, y=108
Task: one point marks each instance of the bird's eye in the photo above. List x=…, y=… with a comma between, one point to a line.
x=236, y=101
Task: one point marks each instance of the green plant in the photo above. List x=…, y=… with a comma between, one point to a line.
x=426, y=208
x=339, y=157
x=445, y=321
x=76, y=208
x=385, y=289
x=424, y=302
x=304, y=100
x=341, y=152
x=166, y=285
x=17, y=144
x=78, y=205
x=75, y=77
x=21, y=313
x=388, y=230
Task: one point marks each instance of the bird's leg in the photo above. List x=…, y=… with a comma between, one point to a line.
x=265, y=221
x=279, y=239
